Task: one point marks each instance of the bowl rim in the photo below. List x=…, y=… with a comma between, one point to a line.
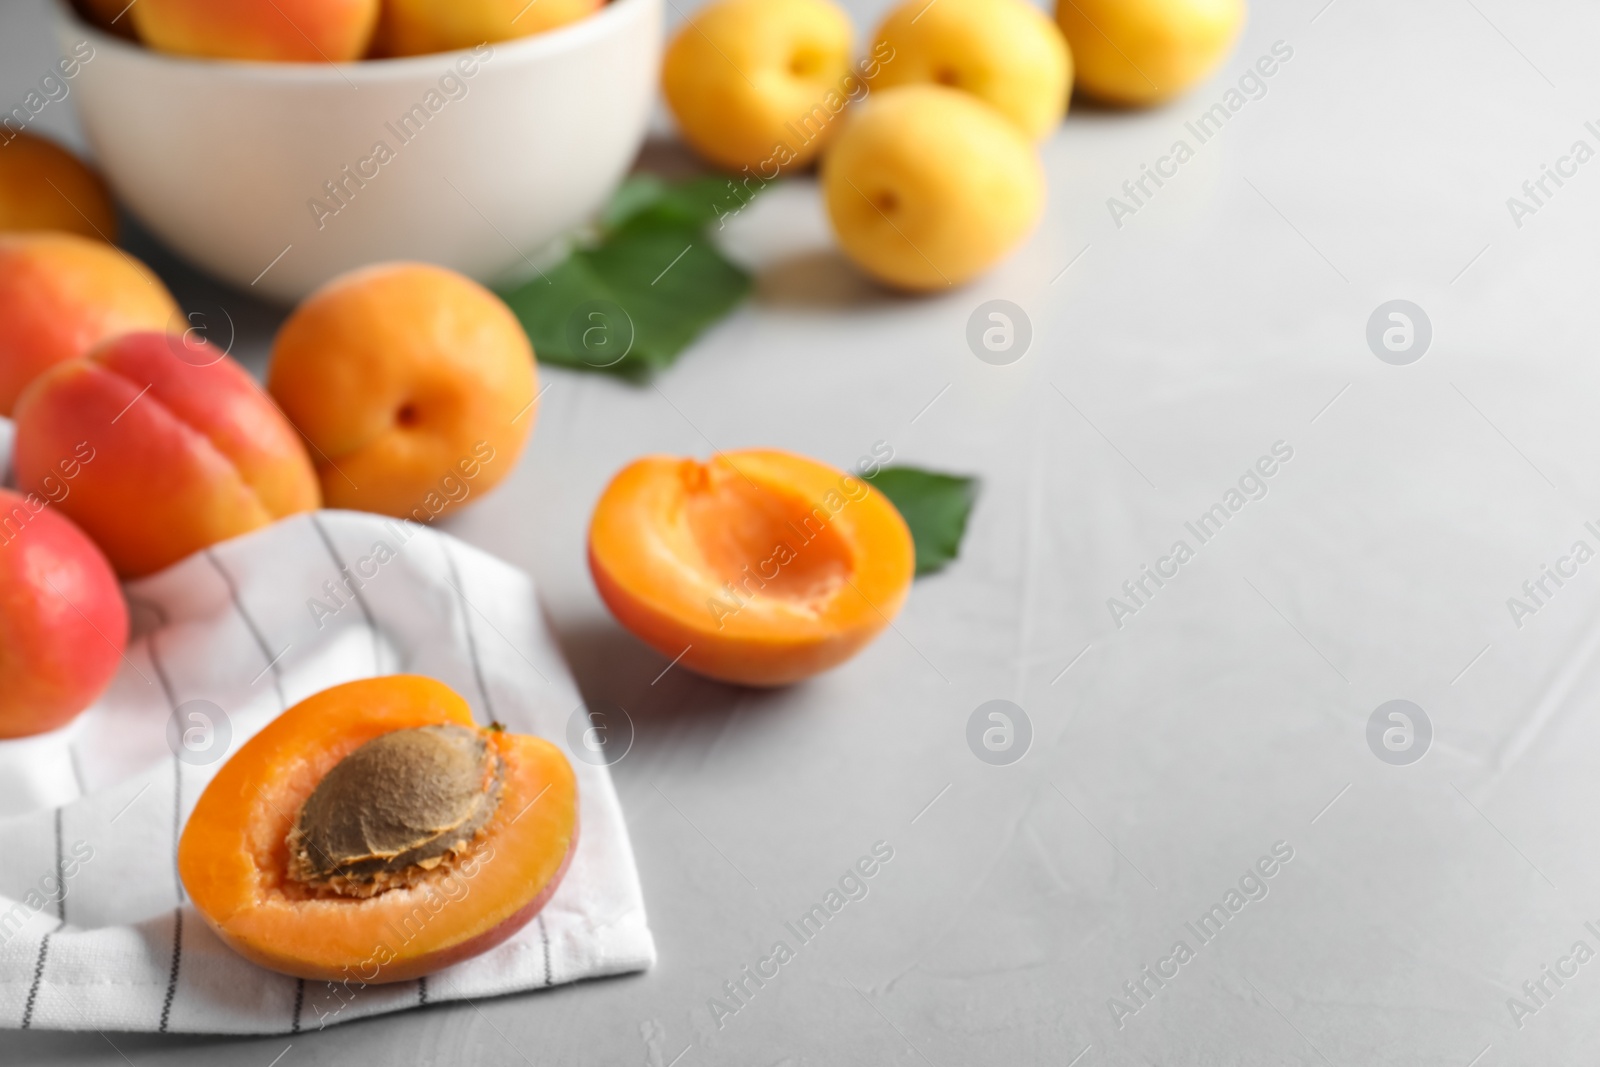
x=609, y=18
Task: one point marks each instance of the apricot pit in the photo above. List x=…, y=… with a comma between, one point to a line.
x=397, y=807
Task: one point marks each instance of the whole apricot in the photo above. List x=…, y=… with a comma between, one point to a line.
x=45, y=187
x=418, y=27
x=1135, y=53
x=63, y=624
x=928, y=186
x=60, y=295
x=1005, y=52
x=273, y=31
x=759, y=567
x=759, y=83
x=188, y=450
x=414, y=384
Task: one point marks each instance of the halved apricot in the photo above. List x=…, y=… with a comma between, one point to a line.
x=759, y=567
x=417, y=860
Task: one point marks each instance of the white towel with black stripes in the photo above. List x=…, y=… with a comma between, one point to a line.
x=95, y=930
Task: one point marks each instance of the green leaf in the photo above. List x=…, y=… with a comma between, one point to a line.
x=629, y=304
x=697, y=202
x=935, y=506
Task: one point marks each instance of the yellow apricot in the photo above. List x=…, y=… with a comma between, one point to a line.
x=760, y=83
x=1005, y=52
x=928, y=187
x=1141, y=52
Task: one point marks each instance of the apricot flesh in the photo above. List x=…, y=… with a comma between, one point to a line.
x=759, y=567
x=45, y=187
x=60, y=295
x=234, y=855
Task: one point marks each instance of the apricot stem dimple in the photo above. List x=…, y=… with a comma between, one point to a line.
x=407, y=416
x=696, y=476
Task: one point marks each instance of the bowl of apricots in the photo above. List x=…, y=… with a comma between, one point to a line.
x=278, y=143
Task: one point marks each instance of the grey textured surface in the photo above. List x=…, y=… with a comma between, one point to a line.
x=1231, y=711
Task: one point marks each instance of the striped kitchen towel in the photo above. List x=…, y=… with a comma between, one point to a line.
x=95, y=930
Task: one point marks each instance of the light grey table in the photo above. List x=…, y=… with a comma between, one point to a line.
x=1174, y=746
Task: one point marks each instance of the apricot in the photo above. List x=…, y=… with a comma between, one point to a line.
x=759, y=83
x=1135, y=53
x=331, y=846
x=417, y=27
x=108, y=15
x=928, y=187
x=63, y=625
x=414, y=384
x=758, y=567
x=274, y=31
x=1005, y=52
x=45, y=187
x=60, y=295
x=188, y=450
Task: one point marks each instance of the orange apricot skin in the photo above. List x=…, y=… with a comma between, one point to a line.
x=45, y=187
x=637, y=577
x=281, y=31
x=415, y=383
x=188, y=450
x=232, y=852
x=63, y=623
x=60, y=295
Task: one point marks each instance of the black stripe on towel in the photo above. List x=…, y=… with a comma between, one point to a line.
x=177, y=766
x=422, y=990
x=353, y=588
x=38, y=979
x=466, y=625
x=544, y=935
x=283, y=702
x=44, y=942
x=177, y=957
x=177, y=823
x=249, y=624
x=177, y=830
x=61, y=875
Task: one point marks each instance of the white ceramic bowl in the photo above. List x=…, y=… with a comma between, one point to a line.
x=489, y=156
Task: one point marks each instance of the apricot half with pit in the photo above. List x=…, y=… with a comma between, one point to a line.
x=374, y=833
x=759, y=567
